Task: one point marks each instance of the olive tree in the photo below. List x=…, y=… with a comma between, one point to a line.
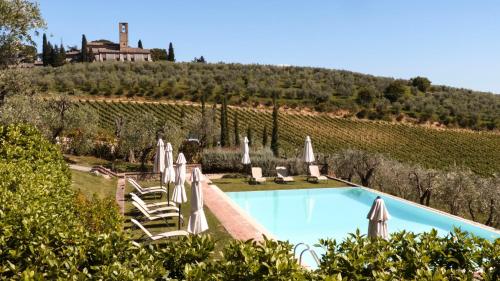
x=18, y=18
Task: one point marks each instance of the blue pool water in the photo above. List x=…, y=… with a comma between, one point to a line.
x=306, y=215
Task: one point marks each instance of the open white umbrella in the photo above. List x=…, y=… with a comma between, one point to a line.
x=197, y=220
x=169, y=174
x=179, y=193
x=378, y=217
x=159, y=164
x=308, y=151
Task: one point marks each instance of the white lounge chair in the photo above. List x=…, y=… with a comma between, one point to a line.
x=163, y=235
x=146, y=190
x=154, y=216
x=154, y=207
x=315, y=176
x=257, y=175
x=282, y=175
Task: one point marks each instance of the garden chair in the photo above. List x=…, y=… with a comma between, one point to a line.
x=282, y=175
x=153, y=216
x=154, y=207
x=163, y=235
x=146, y=190
x=257, y=175
x=314, y=174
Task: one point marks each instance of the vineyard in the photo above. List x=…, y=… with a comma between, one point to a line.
x=432, y=148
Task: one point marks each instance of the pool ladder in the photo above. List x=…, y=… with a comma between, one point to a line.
x=308, y=249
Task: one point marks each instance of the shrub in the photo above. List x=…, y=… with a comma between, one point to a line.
x=229, y=161
x=49, y=232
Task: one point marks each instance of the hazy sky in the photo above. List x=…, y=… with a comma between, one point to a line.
x=453, y=42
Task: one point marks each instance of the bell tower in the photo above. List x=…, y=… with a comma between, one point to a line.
x=123, y=29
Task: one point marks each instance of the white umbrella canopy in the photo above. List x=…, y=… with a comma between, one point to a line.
x=159, y=164
x=246, y=153
x=308, y=151
x=378, y=217
x=169, y=175
x=197, y=220
x=179, y=193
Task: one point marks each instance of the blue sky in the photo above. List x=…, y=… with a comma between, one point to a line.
x=453, y=42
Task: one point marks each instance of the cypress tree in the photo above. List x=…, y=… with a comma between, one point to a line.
x=264, y=136
x=85, y=53
x=171, y=54
x=62, y=56
x=224, y=133
x=214, y=121
x=236, y=130
x=203, y=98
x=250, y=135
x=275, y=147
x=45, y=51
x=53, y=53
x=139, y=44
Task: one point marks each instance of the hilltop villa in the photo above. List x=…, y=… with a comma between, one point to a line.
x=104, y=50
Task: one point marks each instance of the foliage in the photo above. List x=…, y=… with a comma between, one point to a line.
x=251, y=260
x=139, y=44
x=158, y=54
x=298, y=87
x=171, y=55
x=224, y=130
x=422, y=83
x=17, y=21
x=84, y=57
x=48, y=232
x=275, y=145
x=224, y=161
x=431, y=148
x=395, y=90
x=408, y=256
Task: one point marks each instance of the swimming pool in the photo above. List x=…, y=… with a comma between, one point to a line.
x=306, y=215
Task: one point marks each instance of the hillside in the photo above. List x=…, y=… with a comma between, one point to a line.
x=324, y=90
x=430, y=147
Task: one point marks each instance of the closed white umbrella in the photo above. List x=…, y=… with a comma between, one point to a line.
x=378, y=217
x=169, y=174
x=308, y=151
x=159, y=164
x=197, y=220
x=246, y=153
x=179, y=193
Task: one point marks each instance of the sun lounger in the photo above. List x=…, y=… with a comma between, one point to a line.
x=154, y=216
x=154, y=207
x=282, y=175
x=315, y=176
x=163, y=235
x=146, y=190
x=257, y=175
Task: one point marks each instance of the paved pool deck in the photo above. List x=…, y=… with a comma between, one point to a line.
x=237, y=223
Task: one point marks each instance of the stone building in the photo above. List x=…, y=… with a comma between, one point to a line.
x=104, y=50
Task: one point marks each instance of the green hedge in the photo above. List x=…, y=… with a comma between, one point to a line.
x=229, y=161
x=49, y=232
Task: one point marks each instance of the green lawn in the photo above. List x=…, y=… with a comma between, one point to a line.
x=216, y=230
x=117, y=165
x=241, y=184
x=90, y=184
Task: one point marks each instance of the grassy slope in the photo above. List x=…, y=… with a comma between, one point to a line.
x=432, y=148
x=90, y=184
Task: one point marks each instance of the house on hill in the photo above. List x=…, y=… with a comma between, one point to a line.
x=104, y=50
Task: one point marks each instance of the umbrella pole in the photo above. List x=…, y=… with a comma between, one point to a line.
x=168, y=193
x=179, y=222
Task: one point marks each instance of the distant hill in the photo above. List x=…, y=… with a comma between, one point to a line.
x=430, y=147
x=324, y=90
